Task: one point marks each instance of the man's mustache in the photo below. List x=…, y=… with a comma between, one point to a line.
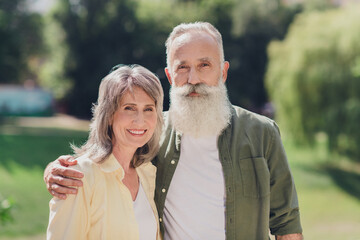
x=186, y=89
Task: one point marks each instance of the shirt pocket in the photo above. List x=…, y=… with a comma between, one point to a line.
x=255, y=177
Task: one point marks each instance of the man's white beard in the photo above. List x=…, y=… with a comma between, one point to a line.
x=201, y=116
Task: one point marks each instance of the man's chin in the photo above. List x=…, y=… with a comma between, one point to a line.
x=200, y=114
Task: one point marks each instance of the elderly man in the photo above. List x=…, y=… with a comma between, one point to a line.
x=222, y=171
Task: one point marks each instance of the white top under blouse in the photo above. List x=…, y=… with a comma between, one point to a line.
x=144, y=216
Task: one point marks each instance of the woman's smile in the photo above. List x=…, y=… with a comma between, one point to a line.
x=136, y=132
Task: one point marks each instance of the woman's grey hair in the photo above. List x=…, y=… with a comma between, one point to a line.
x=199, y=27
x=112, y=88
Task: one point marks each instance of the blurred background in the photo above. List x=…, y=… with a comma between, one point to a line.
x=297, y=61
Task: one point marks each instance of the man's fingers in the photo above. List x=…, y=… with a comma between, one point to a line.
x=58, y=195
x=67, y=160
x=66, y=182
x=61, y=180
x=66, y=172
x=62, y=190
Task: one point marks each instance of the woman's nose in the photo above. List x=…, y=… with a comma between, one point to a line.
x=139, y=118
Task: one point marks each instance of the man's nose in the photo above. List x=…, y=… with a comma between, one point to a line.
x=193, y=77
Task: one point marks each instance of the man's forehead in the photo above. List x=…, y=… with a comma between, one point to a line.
x=179, y=61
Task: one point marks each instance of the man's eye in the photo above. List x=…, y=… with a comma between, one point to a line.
x=182, y=67
x=205, y=65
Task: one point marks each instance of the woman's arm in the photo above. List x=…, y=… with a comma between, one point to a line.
x=70, y=218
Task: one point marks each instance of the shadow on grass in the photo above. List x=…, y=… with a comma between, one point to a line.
x=348, y=180
x=35, y=147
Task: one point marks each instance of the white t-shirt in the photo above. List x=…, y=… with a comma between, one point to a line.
x=144, y=216
x=195, y=202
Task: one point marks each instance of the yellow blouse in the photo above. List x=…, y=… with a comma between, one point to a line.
x=103, y=207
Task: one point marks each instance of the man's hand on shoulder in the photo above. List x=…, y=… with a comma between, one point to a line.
x=294, y=236
x=60, y=180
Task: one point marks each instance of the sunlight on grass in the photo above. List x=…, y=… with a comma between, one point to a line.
x=23, y=156
x=329, y=208
x=26, y=187
x=327, y=211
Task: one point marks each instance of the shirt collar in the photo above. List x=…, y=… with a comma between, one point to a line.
x=110, y=164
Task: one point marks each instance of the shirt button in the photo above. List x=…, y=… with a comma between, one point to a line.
x=172, y=162
x=163, y=190
x=160, y=219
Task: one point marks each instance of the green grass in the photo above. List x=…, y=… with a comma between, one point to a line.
x=22, y=159
x=328, y=186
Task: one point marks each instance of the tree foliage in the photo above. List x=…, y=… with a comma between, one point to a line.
x=314, y=78
x=97, y=34
x=255, y=24
x=20, y=41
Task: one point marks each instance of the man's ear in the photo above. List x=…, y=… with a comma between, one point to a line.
x=225, y=70
x=168, y=75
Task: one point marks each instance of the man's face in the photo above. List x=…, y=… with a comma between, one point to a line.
x=195, y=59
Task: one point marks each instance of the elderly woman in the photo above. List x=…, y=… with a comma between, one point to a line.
x=116, y=200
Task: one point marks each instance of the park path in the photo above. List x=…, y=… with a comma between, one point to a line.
x=10, y=125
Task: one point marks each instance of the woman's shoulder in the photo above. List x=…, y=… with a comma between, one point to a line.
x=84, y=164
x=88, y=167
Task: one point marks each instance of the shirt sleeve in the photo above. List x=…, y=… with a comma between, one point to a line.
x=284, y=206
x=69, y=219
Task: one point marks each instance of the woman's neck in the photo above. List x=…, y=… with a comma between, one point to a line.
x=124, y=157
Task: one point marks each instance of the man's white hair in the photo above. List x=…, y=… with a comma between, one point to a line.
x=199, y=27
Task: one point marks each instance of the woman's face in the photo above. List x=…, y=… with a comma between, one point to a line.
x=134, y=121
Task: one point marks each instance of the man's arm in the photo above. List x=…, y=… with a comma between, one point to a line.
x=59, y=178
x=295, y=236
x=284, y=205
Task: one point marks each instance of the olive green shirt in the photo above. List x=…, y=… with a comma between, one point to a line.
x=260, y=190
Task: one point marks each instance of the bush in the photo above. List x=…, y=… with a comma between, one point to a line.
x=5, y=210
x=313, y=78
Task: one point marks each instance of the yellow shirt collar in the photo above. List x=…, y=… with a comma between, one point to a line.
x=110, y=164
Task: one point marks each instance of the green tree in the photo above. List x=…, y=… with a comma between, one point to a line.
x=96, y=34
x=254, y=25
x=20, y=41
x=314, y=78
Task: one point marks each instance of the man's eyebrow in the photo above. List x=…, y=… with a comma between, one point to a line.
x=179, y=62
x=204, y=59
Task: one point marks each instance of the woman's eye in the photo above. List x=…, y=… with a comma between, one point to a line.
x=149, y=109
x=129, y=108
